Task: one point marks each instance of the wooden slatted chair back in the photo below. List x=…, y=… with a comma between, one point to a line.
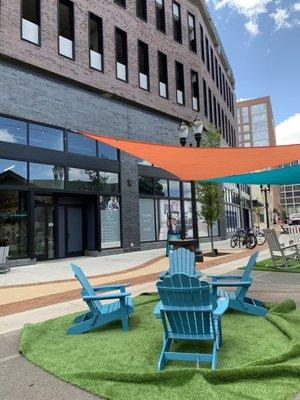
x=182, y=261
x=187, y=305
x=241, y=291
x=272, y=240
x=87, y=289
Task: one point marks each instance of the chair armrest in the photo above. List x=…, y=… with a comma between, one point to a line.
x=110, y=287
x=217, y=277
x=295, y=245
x=231, y=284
x=222, y=305
x=106, y=296
x=163, y=274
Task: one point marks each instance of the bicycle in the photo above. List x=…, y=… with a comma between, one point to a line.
x=260, y=236
x=245, y=238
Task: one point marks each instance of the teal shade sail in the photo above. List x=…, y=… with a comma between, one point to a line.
x=279, y=176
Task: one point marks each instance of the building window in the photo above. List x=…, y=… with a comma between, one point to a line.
x=109, y=182
x=207, y=54
x=163, y=74
x=146, y=186
x=46, y=176
x=174, y=189
x=212, y=64
x=219, y=116
x=80, y=144
x=143, y=59
x=210, y=106
x=192, y=32
x=83, y=180
x=195, y=90
x=108, y=152
x=31, y=20
x=205, y=98
x=216, y=72
x=177, y=31
x=179, y=75
x=215, y=111
x=48, y=138
x=147, y=220
x=13, y=172
x=161, y=187
x=96, y=42
x=110, y=222
x=121, y=55
x=141, y=9
x=160, y=15
x=14, y=222
x=220, y=81
x=66, y=28
x=13, y=131
x=202, y=43
x=121, y=3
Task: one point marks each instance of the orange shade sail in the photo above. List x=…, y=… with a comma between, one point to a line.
x=191, y=163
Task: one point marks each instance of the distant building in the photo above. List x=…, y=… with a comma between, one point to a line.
x=290, y=196
x=256, y=128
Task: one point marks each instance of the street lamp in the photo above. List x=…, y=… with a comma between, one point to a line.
x=266, y=190
x=197, y=127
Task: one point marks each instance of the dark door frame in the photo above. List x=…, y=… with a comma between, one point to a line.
x=46, y=236
x=67, y=252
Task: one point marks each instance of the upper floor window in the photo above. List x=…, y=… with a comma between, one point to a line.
x=143, y=58
x=192, y=32
x=205, y=98
x=108, y=152
x=210, y=106
x=160, y=15
x=13, y=131
x=66, y=28
x=177, y=32
x=163, y=74
x=141, y=9
x=31, y=20
x=121, y=55
x=202, y=43
x=195, y=90
x=96, y=42
x=207, y=54
x=179, y=72
x=46, y=137
x=81, y=144
x=121, y=2
x=212, y=63
x=216, y=72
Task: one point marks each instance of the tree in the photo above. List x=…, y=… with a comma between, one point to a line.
x=209, y=194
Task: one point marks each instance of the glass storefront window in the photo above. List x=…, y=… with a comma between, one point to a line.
x=202, y=226
x=109, y=182
x=14, y=222
x=108, y=152
x=146, y=186
x=162, y=214
x=187, y=189
x=161, y=187
x=110, y=222
x=81, y=144
x=13, y=172
x=188, y=219
x=84, y=180
x=48, y=138
x=46, y=176
x=175, y=216
x=174, y=189
x=147, y=220
x=13, y=131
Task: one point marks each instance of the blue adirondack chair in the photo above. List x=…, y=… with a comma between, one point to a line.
x=100, y=314
x=181, y=261
x=237, y=299
x=187, y=314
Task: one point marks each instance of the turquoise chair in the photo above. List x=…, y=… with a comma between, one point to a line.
x=100, y=314
x=238, y=299
x=187, y=314
x=181, y=261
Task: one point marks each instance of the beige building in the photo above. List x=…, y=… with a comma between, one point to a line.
x=256, y=128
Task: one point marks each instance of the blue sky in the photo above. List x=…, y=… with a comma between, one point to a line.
x=262, y=41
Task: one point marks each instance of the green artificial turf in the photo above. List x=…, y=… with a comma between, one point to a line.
x=267, y=265
x=259, y=358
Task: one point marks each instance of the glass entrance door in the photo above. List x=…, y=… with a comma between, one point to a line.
x=44, y=245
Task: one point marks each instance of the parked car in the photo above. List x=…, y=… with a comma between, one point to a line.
x=294, y=219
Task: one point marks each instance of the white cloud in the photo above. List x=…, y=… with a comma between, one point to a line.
x=252, y=28
x=5, y=136
x=296, y=7
x=288, y=131
x=280, y=17
x=250, y=8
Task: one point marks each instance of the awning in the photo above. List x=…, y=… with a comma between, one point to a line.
x=278, y=176
x=191, y=163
